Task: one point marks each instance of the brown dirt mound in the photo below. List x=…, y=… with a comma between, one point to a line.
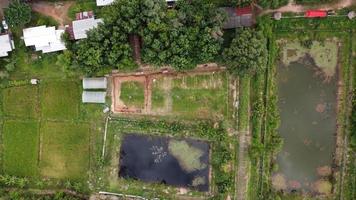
x=324, y=171
x=279, y=182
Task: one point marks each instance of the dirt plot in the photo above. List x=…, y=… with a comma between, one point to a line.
x=199, y=93
x=58, y=10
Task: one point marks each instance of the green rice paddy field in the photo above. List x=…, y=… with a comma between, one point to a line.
x=43, y=135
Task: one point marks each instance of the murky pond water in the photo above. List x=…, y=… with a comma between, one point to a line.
x=308, y=124
x=183, y=163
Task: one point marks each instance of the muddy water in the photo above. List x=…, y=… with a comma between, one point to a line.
x=308, y=124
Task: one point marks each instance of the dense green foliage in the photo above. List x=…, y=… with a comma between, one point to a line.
x=313, y=1
x=22, y=195
x=191, y=34
x=17, y=14
x=272, y=3
x=247, y=53
x=7, y=65
x=182, y=37
x=353, y=122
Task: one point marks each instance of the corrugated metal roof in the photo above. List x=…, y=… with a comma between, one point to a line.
x=234, y=21
x=5, y=45
x=93, y=97
x=45, y=39
x=104, y=2
x=80, y=27
x=244, y=11
x=95, y=83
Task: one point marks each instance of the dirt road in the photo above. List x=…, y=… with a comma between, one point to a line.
x=3, y=4
x=293, y=7
x=58, y=10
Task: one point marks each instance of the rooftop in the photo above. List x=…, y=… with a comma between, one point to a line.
x=45, y=39
x=6, y=45
x=80, y=27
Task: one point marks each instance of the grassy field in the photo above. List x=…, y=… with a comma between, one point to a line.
x=192, y=96
x=21, y=143
x=133, y=94
x=60, y=100
x=65, y=150
x=45, y=148
x=21, y=102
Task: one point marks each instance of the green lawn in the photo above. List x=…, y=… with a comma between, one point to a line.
x=200, y=96
x=65, y=153
x=133, y=94
x=20, y=150
x=21, y=101
x=60, y=100
x=158, y=94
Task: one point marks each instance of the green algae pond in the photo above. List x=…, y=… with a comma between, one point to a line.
x=307, y=103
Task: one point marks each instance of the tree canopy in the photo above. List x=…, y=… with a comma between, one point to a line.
x=181, y=37
x=17, y=14
x=247, y=53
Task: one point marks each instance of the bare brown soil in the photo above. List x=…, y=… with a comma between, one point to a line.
x=146, y=78
x=58, y=10
x=324, y=171
x=295, y=8
x=3, y=4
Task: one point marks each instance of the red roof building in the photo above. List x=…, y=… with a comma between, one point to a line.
x=244, y=11
x=316, y=13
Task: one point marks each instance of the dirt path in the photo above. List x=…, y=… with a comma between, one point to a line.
x=243, y=168
x=58, y=10
x=293, y=7
x=3, y=4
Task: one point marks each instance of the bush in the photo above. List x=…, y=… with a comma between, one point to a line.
x=17, y=14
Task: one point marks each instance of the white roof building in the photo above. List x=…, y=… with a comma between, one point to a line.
x=80, y=27
x=104, y=2
x=45, y=39
x=93, y=97
x=95, y=83
x=6, y=45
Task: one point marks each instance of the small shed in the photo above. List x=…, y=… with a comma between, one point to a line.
x=93, y=97
x=6, y=45
x=238, y=17
x=244, y=11
x=95, y=83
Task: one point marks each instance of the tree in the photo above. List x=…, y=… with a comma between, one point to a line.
x=188, y=35
x=247, y=53
x=17, y=14
x=182, y=37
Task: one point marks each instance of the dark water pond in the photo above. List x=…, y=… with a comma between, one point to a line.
x=150, y=159
x=308, y=124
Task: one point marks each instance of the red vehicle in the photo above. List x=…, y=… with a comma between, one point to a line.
x=316, y=13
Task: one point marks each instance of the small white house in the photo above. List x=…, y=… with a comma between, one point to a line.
x=93, y=97
x=80, y=27
x=45, y=39
x=104, y=2
x=6, y=45
x=95, y=83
